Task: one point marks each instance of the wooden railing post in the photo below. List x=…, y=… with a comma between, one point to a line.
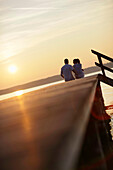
x=101, y=64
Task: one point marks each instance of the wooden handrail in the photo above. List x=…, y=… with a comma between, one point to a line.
x=105, y=79
x=102, y=55
x=106, y=68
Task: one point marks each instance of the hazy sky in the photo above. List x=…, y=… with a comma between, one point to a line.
x=37, y=35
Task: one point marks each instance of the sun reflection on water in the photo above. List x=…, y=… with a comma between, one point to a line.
x=19, y=93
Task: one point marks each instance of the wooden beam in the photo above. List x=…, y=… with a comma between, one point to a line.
x=102, y=55
x=105, y=79
x=106, y=68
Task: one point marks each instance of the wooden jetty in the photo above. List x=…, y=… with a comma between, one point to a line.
x=46, y=129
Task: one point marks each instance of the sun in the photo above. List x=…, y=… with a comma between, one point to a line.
x=12, y=69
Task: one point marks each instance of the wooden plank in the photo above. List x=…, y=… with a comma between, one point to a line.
x=45, y=129
x=102, y=55
x=106, y=68
x=105, y=79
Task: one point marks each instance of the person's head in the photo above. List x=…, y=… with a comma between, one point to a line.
x=66, y=61
x=75, y=61
x=78, y=61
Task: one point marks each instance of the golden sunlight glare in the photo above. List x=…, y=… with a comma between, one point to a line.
x=12, y=69
x=19, y=93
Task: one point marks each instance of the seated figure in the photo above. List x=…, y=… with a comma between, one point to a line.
x=78, y=69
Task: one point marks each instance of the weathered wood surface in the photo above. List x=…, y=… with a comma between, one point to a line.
x=44, y=129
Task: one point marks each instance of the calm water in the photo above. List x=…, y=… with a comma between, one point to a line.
x=107, y=92
x=106, y=89
x=20, y=92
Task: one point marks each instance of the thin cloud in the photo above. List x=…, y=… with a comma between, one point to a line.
x=40, y=8
x=49, y=19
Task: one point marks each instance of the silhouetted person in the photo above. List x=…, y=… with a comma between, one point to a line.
x=66, y=71
x=78, y=69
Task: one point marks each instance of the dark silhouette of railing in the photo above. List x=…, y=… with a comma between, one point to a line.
x=103, y=77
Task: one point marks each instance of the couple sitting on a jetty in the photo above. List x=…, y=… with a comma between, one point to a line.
x=67, y=69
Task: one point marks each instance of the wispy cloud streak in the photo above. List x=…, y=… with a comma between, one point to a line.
x=25, y=21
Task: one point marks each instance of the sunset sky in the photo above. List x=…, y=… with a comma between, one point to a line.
x=37, y=35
